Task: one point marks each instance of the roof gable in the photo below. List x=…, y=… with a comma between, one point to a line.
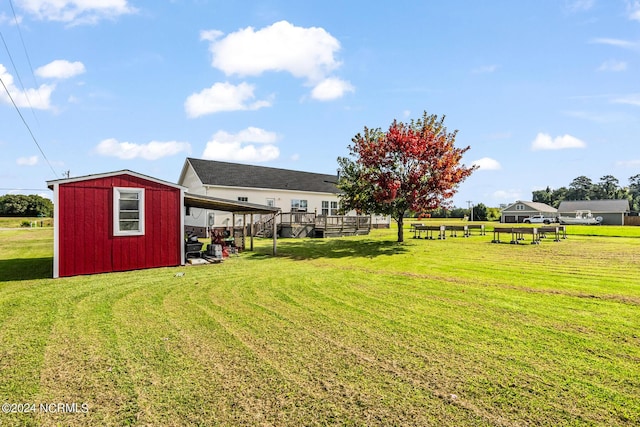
x=531, y=206
x=215, y=173
x=616, y=205
x=128, y=172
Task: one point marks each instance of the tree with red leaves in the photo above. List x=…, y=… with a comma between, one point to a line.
x=411, y=167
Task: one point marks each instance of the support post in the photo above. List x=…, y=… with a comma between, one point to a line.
x=275, y=234
x=244, y=230
x=251, y=233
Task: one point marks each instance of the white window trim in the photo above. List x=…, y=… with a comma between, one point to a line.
x=116, y=211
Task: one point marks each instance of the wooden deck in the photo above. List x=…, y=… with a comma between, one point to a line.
x=306, y=224
x=334, y=226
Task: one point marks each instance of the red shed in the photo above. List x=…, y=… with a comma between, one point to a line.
x=116, y=221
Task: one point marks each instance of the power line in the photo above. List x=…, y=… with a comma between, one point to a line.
x=24, y=90
x=28, y=128
x=15, y=17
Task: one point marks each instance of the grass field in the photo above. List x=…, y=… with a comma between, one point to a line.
x=350, y=331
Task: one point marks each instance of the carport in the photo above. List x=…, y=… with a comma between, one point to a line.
x=236, y=208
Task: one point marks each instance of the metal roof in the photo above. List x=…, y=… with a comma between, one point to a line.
x=215, y=173
x=600, y=206
x=533, y=206
x=128, y=172
x=217, y=204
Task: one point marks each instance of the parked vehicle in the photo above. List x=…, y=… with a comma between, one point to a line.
x=539, y=219
x=583, y=217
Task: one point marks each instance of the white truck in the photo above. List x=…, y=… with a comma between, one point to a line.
x=539, y=219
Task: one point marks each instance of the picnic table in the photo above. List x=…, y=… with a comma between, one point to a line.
x=453, y=229
x=418, y=229
x=476, y=227
x=517, y=234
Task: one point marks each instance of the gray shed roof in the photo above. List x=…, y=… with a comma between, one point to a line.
x=601, y=206
x=532, y=206
x=226, y=174
x=218, y=204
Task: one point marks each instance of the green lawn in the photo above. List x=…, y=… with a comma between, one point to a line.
x=351, y=331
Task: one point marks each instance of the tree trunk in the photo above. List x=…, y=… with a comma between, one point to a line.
x=400, y=228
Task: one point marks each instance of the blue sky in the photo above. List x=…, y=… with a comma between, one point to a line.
x=542, y=90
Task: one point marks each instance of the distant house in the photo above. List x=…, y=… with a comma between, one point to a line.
x=291, y=191
x=611, y=211
x=116, y=221
x=517, y=212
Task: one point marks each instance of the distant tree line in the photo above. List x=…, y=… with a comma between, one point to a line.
x=25, y=206
x=480, y=213
x=583, y=188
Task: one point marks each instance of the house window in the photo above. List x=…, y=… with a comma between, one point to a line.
x=519, y=207
x=334, y=208
x=298, y=205
x=128, y=211
x=243, y=199
x=271, y=203
x=325, y=207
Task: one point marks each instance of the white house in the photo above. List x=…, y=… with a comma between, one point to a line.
x=520, y=210
x=289, y=190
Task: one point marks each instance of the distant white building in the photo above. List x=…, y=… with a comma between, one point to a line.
x=517, y=212
x=291, y=191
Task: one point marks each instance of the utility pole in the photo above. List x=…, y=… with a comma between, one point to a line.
x=470, y=204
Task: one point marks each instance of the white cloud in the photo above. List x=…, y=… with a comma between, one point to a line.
x=613, y=65
x=633, y=99
x=60, y=69
x=507, y=195
x=331, y=88
x=487, y=163
x=579, y=5
x=223, y=97
x=628, y=163
x=251, y=145
x=599, y=117
x=485, y=69
x=27, y=161
x=30, y=98
x=633, y=8
x=304, y=52
x=210, y=35
x=151, y=151
x=76, y=11
x=626, y=44
x=544, y=141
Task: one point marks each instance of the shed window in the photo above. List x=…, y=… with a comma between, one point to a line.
x=128, y=211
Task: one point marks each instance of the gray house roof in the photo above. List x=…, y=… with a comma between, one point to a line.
x=531, y=207
x=595, y=206
x=226, y=174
